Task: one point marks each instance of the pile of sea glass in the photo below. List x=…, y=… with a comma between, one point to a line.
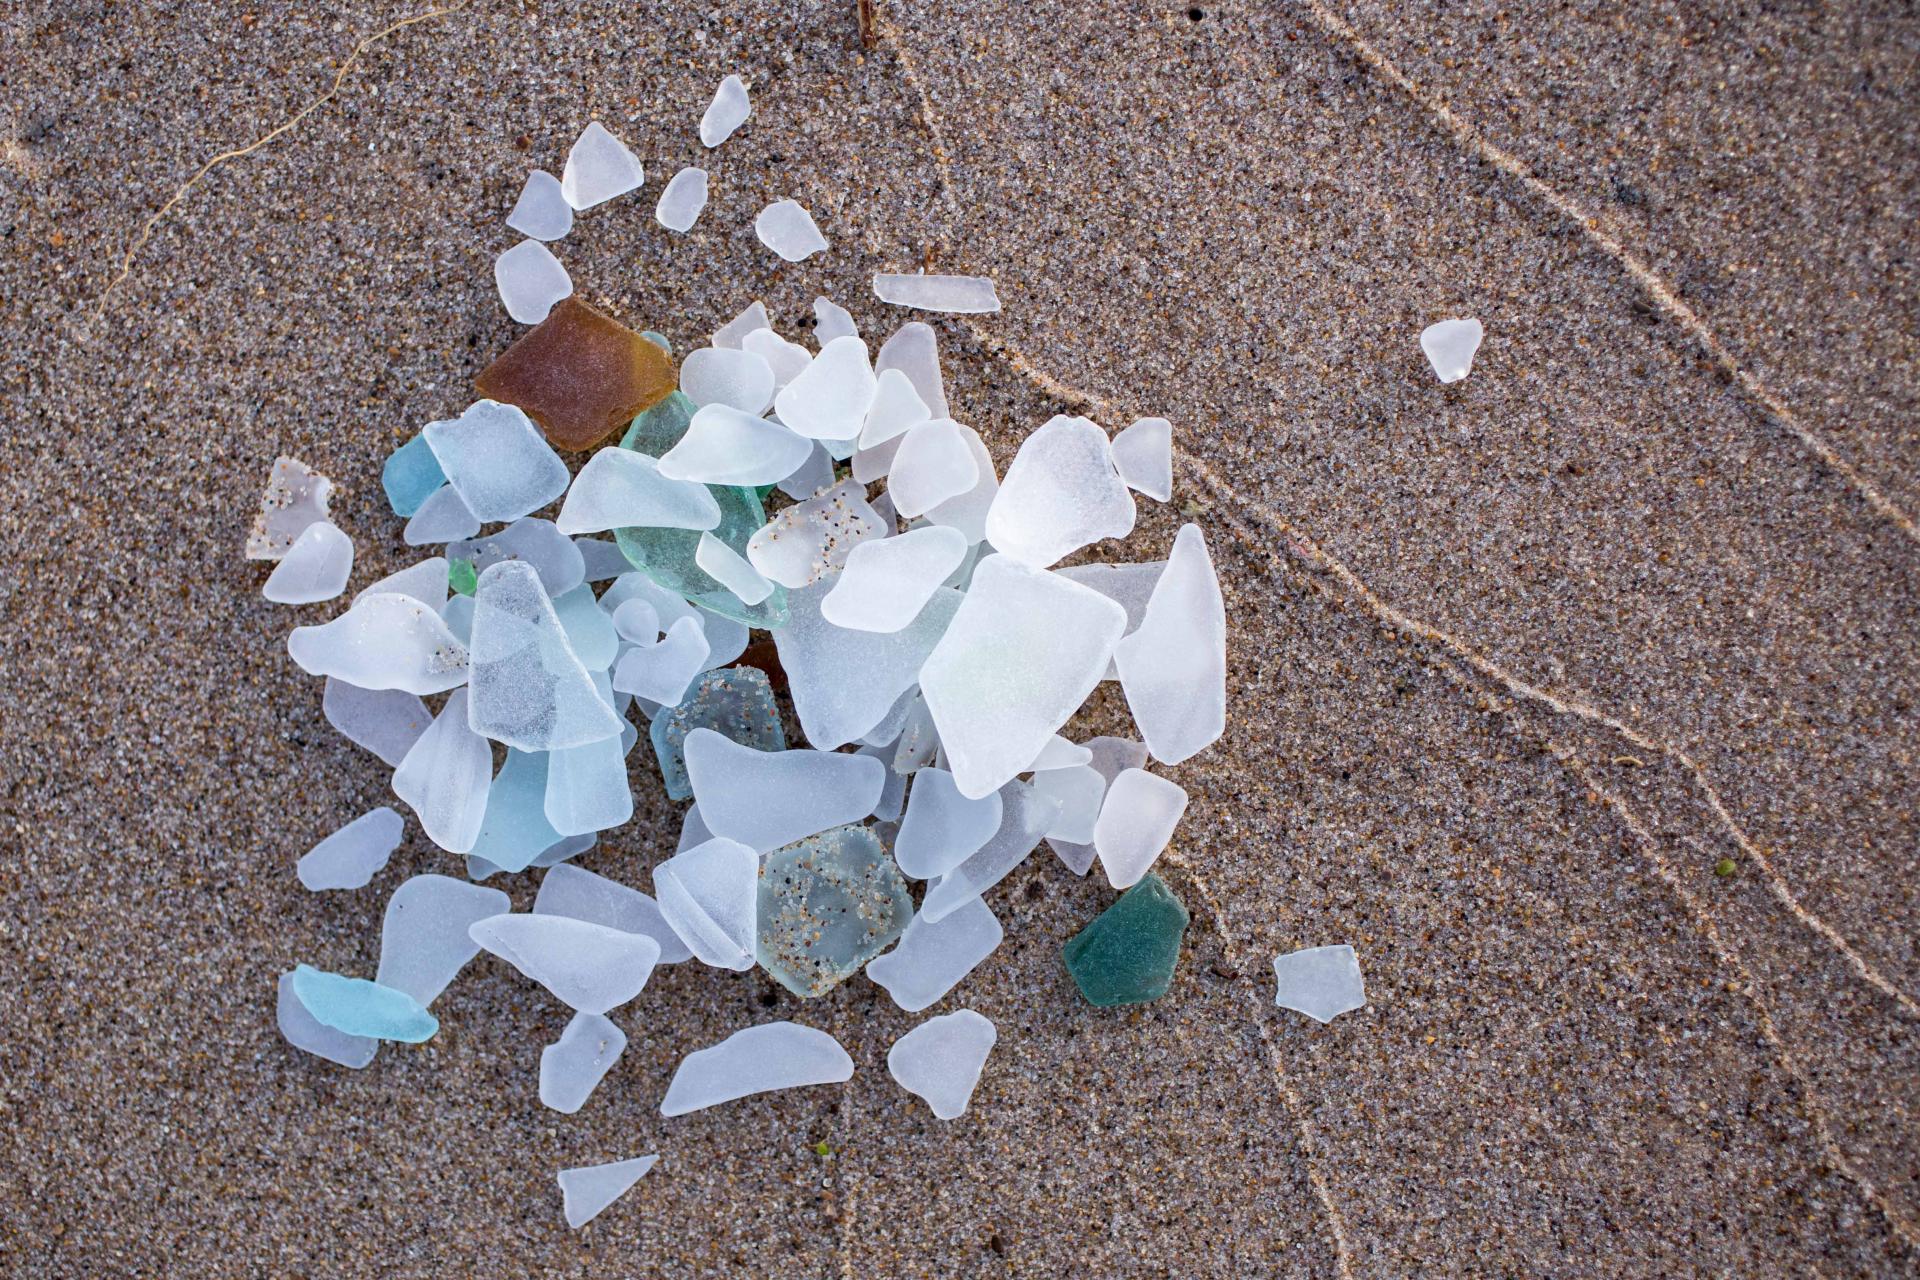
x=781, y=543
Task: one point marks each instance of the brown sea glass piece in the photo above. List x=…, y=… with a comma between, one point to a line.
x=581, y=375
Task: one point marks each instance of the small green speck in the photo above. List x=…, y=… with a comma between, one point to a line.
x=823, y=1148
x=461, y=577
x=1190, y=508
x=1725, y=867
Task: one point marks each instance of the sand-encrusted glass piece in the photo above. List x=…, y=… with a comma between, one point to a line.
x=296, y=497
x=1127, y=955
x=580, y=374
x=804, y=542
x=828, y=904
x=735, y=702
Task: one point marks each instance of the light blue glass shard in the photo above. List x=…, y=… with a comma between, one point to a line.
x=410, y=476
x=361, y=1008
x=515, y=830
x=736, y=703
x=587, y=788
x=589, y=629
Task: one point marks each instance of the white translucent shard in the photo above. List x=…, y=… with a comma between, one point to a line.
x=425, y=582
x=934, y=463
x=572, y=1067
x=767, y=799
x=775, y=1055
x=941, y=1060
x=599, y=167
x=831, y=320
x=788, y=229
x=1111, y=757
x=896, y=409
x=497, y=460
x=932, y=957
x=443, y=517
x=811, y=538
x=887, y=581
x=964, y=294
x=424, y=939
x=529, y=689
x=1450, y=346
x=661, y=672
x=730, y=569
x=1136, y=821
x=585, y=1191
x=786, y=359
x=1025, y=815
x=385, y=721
x=530, y=280
x=844, y=682
x=1061, y=493
x=709, y=895
x=1060, y=754
x=296, y=496
x=622, y=487
x=446, y=777
x=1024, y=651
x=727, y=112
x=542, y=211
x=751, y=320
x=589, y=967
x=1143, y=453
x=1321, y=982
x=1128, y=585
x=307, y=1033
x=351, y=856
x=384, y=641
x=728, y=447
x=1079, y=791
x=315, y=568
x=1173, y=668
x=574, y=891
x=829, y=399
x=681, y=203
x=968, y=511
x=535, y=542
x=914, y=350
x=730, y=376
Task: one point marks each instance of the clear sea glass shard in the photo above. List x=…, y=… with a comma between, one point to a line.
x=1173, y=668
x=1128, y=585
x=968, y=511
x=811, y=538
x=588, y=967
x=572, y=1067
x=1321, y=982
x=530, y=280
x=727, y=112
x=788, y=229
x=1111, y=757
x=307, y=1033
x=829, y=399
x=624, y=487
x=315, y=568
x=574, y=891
x=1024, y=651
x=497, y=461
x=425, y=582
x=442, y=517
x=933, y=464
x=589, y=630
x=602, y=559
x=1061, y=493
x=896, y=409
x=529, y=690
x=1135, y=824
x=446, y=776
x=844, y=682
x=534, y=542
x=1025, y=815
x=542, y=211
x=384, y=641
x=585, y=1191
x=424, y=941
x=660, y=673
x=831, y=321
x=351, y=856
x=386, y=722
x=741, y=380
x=1450, y=346
x=766, y=799
x=296, y=496
x=786, y=359
x=941, y=1060
x=731, y=570
x=685, y=196
x=914, y=351
x=887, y=581
x=724, y=446
x=1143, y=454
x=751, y=320
x=1079, y=791
x=943, y=828
x=599, y=167
x=709, y=895
x=933, y=956
x=774, y=1055
x=961, y=294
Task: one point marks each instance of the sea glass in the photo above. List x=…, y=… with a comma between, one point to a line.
x=579, y=374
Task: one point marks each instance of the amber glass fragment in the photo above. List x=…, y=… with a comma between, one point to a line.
x=580, y=375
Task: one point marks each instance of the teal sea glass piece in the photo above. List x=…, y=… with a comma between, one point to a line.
x=828, y=904
x=410, y=476
x=735, y=702
x=667, y=555
x=1127, y=955
x=362, y=1008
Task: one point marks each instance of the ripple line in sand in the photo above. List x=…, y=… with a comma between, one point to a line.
x=1470, y=138
x=351, y=61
